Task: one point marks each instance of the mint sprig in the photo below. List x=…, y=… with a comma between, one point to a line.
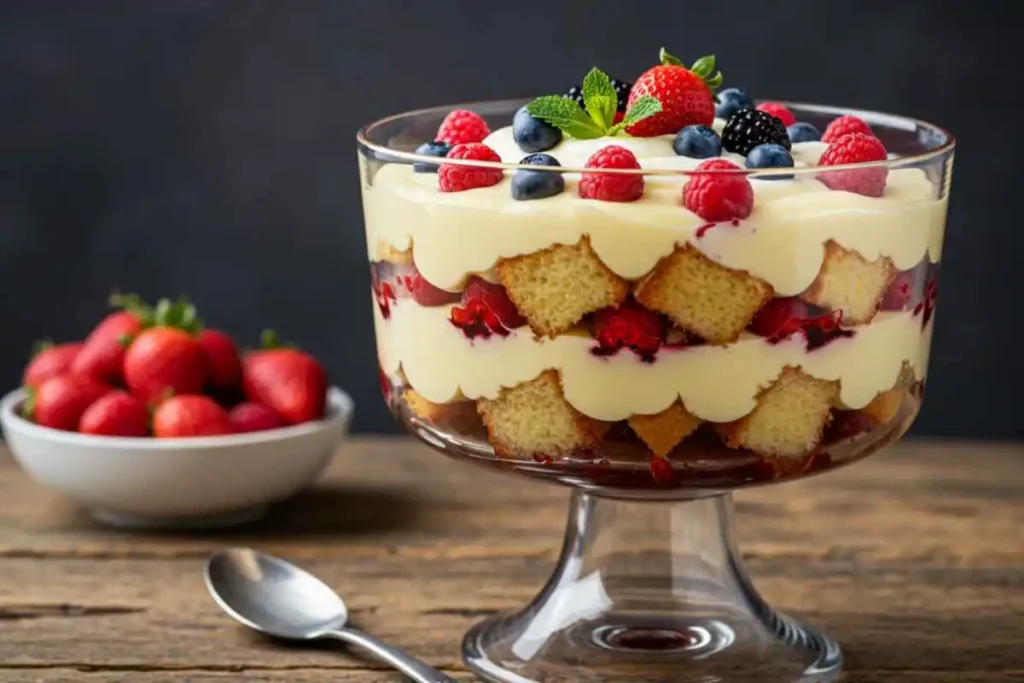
x=601, y=103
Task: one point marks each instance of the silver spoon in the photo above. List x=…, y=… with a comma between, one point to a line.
x=279, y=599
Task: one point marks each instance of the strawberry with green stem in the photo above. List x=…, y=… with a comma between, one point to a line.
x=686, y=95
x=102, y=352
x=290, y=382
x=165, y=358
x=49, y=360
x=60, y=401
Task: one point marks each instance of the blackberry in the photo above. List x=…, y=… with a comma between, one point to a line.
x=622, y=89
x=575, y=93
x=749, y=128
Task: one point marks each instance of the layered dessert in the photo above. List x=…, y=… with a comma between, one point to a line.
x=669, y=287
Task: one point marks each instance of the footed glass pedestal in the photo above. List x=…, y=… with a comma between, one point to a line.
x=649, y=592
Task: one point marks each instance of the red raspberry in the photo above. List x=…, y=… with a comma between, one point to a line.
x=855, y=148
x=612, y=187
x=629, y=325
x=845, y=125
x=779, y=111
x=779, y=318
x=456, y=178
x=497, y=300
x=462, y=126
x=718, y=196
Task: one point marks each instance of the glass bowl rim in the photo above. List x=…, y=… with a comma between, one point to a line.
x=393, y=155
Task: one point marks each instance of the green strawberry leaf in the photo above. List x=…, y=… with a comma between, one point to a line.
x=566, y=115
x=40, y=346
x=703, y=68
x=600, y=98
x=643, y=108
x=669, y=60
x=28, y=406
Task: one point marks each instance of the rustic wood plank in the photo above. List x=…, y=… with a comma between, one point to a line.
x=914, y=560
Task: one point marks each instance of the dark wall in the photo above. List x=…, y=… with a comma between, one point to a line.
x=206, y=147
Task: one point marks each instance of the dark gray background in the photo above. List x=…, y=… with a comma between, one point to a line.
x=206, y=147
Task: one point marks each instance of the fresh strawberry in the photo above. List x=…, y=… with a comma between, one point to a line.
x=166, y=358
x=223, y=368
x=612, y=187
x=718, y=196
x=253, y=417
x=462, y=126
x=116, y=414
x=60, y=401
x=855, y=148
x=780, y=317
x=181, y=416
x=685, y=95
x=290, y=382
x=496, y=298
x=457, y=178
x=102, y=352
x=845, y=125
x=779, y=111
x=49, y=360
x=629, y=325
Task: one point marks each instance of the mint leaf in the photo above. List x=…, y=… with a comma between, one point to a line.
x=566, y=115
x=643, y=108
x=599, y=97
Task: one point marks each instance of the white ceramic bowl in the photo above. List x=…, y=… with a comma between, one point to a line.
x=176, y=483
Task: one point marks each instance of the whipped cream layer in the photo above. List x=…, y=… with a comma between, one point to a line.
x=782, y=242
x=715, y=383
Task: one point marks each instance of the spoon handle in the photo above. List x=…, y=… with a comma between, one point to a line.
x=410, y=666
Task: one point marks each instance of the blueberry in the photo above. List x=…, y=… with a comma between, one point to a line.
x=537, y=184
x=770, y=155
x=436, y=148
x=730, y=101
x=532, y=134
x=803, y=132
x=697, y=142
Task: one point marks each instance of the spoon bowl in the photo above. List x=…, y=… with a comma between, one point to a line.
x=274, y=597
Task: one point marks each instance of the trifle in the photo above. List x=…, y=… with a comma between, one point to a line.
x=651, y=290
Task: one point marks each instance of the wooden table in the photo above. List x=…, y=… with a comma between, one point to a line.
x=914, y=560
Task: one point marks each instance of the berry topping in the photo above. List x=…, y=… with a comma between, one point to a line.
x=855, y=148
x=630, y=325
x=462, y=126
x=845, y=125
x=803, y=132
x=437, y=148
x=486, y=310
x=779, y=111
x=424, y=293
x=496, y=299
x=537, y=184
x=697, y=142
x=456, y=178
x=779, y=317
x=906, y=289
x=686, y=95
x=770, y=156
x=731, y=101
x=533, y=134
x=612, y=187
x=718, y=196
x=598, y=112
x=749, y=128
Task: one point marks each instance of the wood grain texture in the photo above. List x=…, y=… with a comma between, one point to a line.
x=913, y=560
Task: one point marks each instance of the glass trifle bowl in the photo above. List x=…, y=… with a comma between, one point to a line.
x=670, y=313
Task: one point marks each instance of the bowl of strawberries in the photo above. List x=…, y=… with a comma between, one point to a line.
x=155, y=420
